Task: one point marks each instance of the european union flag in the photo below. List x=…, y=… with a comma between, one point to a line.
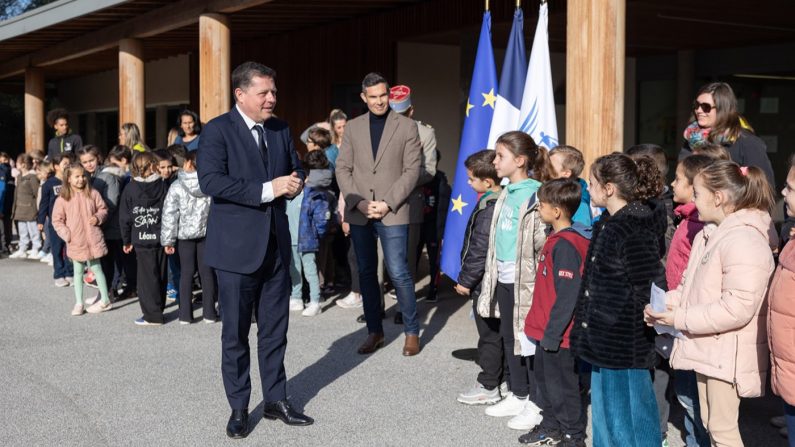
x=479, y=111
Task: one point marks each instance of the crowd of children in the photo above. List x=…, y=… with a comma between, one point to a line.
x=562, y=294
x=562, y=273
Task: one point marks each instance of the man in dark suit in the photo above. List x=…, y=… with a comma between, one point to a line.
x=377, y=169
x=248, y=165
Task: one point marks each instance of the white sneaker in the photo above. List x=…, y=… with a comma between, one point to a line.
x=71, y=280
x=352, y=301
x=479, y=395
x=510, y=406
x=392, y=294
x=47, y=258
x=61, y=282
x=93, y=300
x=19, y=254
x=311, y=310
x=528, y=418
x=99, y=307
x=296, y=304
x=503, y=386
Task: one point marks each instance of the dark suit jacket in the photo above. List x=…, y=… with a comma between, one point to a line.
x=232, y=170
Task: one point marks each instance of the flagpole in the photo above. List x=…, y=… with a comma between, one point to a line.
x=487, y=5
x=518, y=3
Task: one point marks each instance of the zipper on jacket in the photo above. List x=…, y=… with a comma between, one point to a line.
x=466, y=247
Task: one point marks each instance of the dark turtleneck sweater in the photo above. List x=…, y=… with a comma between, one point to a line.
x=377, y=124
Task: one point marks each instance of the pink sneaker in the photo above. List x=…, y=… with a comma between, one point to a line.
x=78, y=310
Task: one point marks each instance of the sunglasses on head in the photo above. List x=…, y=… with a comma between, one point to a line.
x=705, y=107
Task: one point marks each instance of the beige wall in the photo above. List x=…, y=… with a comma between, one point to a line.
x=432, y=73
x=167, y=82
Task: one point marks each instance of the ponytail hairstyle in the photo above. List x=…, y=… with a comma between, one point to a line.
x=746, y=188
x=522, y=145
x=66, y=189
x=144, y=164
x=638, y=179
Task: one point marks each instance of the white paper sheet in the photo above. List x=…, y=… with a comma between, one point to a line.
x=528, y=346
x=658, y=305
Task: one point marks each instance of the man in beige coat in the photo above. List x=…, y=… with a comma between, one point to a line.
x=377, y=169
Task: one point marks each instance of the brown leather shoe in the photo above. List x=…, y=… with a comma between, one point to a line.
x=412, y=345
x=373, y=342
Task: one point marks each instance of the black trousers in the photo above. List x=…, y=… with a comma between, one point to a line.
x=151, y=282
x=558, y=379
x=266, y=292
x=429, y=239
x=490, y=350
x=522, y=380
x=112, y=263
x=191, y=254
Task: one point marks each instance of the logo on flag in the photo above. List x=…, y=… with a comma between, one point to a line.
x=512, y=78
x=538, y=104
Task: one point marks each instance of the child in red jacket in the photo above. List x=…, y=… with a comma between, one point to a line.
x=550, y=318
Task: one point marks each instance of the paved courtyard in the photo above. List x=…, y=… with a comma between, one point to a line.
x=101, y=380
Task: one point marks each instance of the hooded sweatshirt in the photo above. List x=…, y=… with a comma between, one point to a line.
x=558, y=281
x=317, y=211
x=583, y=214
x=68, y=142
x=108, y=183
x=140, y=211
x=185, y=210
x=719, y=304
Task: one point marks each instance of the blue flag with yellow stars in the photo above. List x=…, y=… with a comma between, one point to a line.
x=475, y=136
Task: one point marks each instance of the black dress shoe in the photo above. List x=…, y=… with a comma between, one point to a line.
x=237, y=427
x=361, y=319
x=282, y=410
x=399, y=318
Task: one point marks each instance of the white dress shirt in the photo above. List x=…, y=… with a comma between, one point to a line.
x=267, y=187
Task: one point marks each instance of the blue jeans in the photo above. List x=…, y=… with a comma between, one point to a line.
x=789, y=416
x=623, y=408
x=174, y=270
x=304, y=264
x=62, y=267
x=687, y=395
x=394, y=240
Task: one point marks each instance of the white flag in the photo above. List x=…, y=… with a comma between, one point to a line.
x=537, y=116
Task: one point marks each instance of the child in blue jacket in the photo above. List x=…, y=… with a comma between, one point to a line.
x=317, y=220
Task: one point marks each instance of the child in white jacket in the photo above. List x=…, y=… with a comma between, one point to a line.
x=183, y=227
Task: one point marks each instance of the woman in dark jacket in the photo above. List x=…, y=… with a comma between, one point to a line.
x=716, y=120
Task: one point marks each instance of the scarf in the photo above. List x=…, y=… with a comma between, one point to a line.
x=698, y=136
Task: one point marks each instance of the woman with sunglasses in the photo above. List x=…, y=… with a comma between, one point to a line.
x=716, y=120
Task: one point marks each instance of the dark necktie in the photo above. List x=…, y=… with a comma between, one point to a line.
x=262, y=146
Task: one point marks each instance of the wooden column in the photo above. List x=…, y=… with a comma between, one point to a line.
x=34, y=110
x=214, y=68
x=132, y=99
x=595, y=49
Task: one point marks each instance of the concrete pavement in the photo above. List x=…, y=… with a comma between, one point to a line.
x=101, y=380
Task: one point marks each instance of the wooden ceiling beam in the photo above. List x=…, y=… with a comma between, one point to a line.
x=166, y=18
